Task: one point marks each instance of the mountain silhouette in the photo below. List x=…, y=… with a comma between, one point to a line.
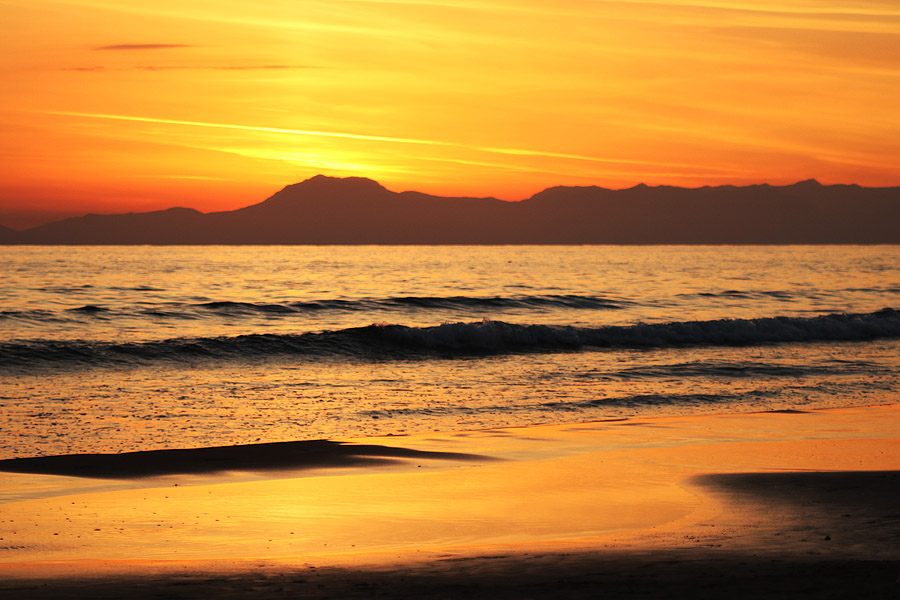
x=8, y=236
x=354, y=210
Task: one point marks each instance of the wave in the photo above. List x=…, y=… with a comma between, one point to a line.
x=785, y=295
x=661, y=400
x=269, y=310
x=424, y=303
x=90, y=309
x=777, y=294
x=739, y=370
x=377, y=342
x=37, y=315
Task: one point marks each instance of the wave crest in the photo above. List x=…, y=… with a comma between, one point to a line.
x=377, y=342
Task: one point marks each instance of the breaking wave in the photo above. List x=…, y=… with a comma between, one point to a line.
x=377, y=342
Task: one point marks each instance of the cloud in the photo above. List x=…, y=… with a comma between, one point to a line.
x=101, y=69
x=141, y=46
x=332, y=134
x=378, y=138
x=217, y=68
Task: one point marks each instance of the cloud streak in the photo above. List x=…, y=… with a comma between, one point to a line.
x=310, y=132
x=101, y=69
x=141, y=47
x=376, y=138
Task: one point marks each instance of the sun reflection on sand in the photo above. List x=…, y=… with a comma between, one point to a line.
x=616, y=480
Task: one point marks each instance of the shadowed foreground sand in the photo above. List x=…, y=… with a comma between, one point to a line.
x=775, y=505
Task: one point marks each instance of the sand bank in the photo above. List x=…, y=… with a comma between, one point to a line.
x=785, y=503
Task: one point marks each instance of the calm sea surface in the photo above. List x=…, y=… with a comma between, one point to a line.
x=134, y=348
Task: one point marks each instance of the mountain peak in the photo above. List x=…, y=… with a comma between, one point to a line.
x=808, y=183
x=324, y=182
x=325, y=188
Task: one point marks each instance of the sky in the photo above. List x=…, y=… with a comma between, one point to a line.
x=118, y=106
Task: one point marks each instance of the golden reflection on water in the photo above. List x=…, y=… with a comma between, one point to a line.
x=170, y=407
x=137, y=296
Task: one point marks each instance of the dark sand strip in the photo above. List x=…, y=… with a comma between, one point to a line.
x=253, y=457
x=589, y=576
x=843, y=514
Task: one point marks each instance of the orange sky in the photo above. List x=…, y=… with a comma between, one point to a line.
x=112, y=105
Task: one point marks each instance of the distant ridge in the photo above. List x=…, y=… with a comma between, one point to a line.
x=355, y=210
x=8, y=236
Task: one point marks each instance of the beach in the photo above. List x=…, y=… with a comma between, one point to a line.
x=443, y=422
x=449, y=299
x=783, y=503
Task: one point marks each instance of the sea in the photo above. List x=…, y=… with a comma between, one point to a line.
x=114, y=349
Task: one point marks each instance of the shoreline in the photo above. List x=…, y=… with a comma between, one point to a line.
x=596, y=503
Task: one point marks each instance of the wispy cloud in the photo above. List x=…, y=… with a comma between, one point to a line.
x=377, y=138
x=218, y=68
x=100, y=69
x=309, y=132
x=141, y=46
x=819, y=9
x=182, y=177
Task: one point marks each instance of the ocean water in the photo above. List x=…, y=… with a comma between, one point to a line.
x=110, y=349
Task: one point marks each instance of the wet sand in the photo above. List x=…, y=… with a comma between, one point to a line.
x=792, y=505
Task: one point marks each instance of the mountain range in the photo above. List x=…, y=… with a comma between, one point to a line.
x=354, y=210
